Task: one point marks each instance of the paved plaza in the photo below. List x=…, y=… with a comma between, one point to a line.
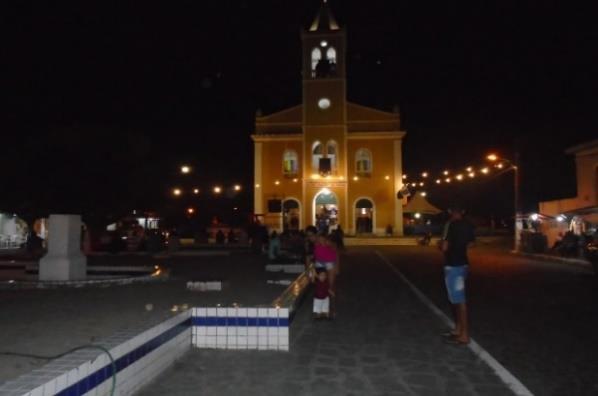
x=537, y=319
x=383, y=342
x=51, y=321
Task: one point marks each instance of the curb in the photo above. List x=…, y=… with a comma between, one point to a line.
x=555, y=260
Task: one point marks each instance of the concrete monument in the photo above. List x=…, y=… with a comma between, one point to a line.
x=64, y=260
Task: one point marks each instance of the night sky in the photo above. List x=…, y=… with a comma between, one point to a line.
x=103, y=102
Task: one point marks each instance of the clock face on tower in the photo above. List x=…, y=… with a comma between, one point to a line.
x=324, y=103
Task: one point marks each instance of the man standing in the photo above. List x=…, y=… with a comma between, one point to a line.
x=458, y=236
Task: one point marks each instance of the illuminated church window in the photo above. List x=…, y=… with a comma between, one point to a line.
x=331, y=152
x=331, y=55
x=363, y=162
x=290, y=163
x=317, y=154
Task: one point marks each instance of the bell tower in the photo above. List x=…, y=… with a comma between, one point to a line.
x=324, y=93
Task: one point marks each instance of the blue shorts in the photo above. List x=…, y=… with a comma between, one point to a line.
x=454, y=278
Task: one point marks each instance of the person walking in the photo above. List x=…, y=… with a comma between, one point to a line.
x=322, y=295
x=457, y=238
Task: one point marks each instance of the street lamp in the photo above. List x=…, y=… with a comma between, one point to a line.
x=176, y=191
x=185, y=169
x=514, y=166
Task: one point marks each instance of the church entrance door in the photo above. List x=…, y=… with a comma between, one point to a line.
x=326, y=210
x=364, y=216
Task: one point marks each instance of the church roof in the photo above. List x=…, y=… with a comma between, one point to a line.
x=324, y=20
x=359, y=119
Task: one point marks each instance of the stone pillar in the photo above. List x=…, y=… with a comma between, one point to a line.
x=64, y=260
x=258, y=206
x=398, y=184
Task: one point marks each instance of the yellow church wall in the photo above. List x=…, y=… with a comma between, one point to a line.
x=332, y=89
x=272, y=171
x=376, y=187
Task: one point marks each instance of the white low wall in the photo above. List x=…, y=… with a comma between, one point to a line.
x=139, y=359
x=241, y=328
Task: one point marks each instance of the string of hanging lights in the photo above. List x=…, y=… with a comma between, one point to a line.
x=458, y=175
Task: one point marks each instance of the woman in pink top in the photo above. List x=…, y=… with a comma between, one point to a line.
x=325, y=257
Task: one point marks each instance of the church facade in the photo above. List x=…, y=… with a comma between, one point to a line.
x=327, y=161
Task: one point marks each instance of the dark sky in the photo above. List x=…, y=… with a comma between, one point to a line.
x=103, y=101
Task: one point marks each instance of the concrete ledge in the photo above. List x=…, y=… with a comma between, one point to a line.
x=241, y=328
x=138, y=359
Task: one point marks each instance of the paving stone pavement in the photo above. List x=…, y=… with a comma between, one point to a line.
x=383, y=342
x=51, y=321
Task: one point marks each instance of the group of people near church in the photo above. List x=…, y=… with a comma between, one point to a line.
x=322, y=259
x=321, y=253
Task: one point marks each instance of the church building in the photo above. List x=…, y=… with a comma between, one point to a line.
x=327, y=161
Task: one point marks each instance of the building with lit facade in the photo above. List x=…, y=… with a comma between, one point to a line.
x=580, y=212
x=328, y=160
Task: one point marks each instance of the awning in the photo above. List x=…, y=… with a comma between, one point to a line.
x=419, y=204
x=588, y=214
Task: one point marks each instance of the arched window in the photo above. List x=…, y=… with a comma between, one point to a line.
x=363, y=162
x=290, y=163
x=331, y=152
x=331, y=55
x=317, y=153
x=316, y=55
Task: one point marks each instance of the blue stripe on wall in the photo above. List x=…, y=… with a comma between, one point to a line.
x=234, y=321
x=103, y=374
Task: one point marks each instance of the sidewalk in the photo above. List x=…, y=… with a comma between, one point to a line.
x=383, y=342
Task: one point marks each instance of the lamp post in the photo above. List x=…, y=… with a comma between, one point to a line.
x=514, y=166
